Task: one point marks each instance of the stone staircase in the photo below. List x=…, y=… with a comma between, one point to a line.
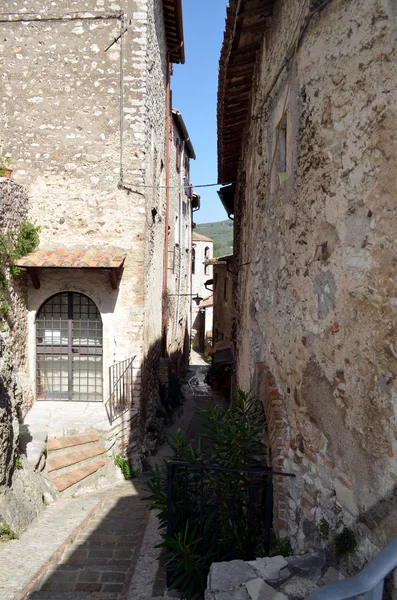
x=73, y=460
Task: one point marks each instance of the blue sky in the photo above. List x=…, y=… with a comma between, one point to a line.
x=194, y=93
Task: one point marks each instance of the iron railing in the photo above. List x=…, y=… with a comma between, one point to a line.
x=369, y=582
x=236, y=502
x=121, y=387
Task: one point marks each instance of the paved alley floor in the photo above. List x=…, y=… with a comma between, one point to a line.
x=100, y=545
x=149, y=579
x=77, y=546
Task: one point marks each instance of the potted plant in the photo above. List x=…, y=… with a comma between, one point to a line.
x=5, y=169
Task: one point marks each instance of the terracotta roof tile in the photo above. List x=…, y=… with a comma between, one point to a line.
x=74, y=258
x=198, y=237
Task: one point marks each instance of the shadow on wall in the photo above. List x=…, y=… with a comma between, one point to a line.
x=7, y=436
x=143, y=406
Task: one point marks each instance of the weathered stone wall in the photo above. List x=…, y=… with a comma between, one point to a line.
x=14, y=207
x=21, y=491
x=90, y=174
x=179, y=256
x=316, y=301
x=223, y=300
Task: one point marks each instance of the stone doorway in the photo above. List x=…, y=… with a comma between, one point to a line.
x=69, y=349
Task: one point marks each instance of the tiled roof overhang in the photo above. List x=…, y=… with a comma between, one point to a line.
x=110, y=259
x=172, y=10
x=245, y=26
x=180, y=123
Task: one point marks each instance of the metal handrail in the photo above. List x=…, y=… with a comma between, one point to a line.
x=369, y=582
x=121, y=391
x=266, y=471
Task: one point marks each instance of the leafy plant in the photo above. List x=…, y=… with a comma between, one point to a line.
x=124, y=466
x=6, y=533
x=18, y=463
x=345, y=543
x=13, y=245
x=323, y=530
x=212, y=510
x=5, y=162
x=279, y=547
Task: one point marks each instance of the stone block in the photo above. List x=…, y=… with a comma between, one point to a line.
x=228, y=575
x=238, y=594
x=310, y=564
x=269, y=568
x=260, y=590
x=345, y=497
x=299, y=588
x=332, y=575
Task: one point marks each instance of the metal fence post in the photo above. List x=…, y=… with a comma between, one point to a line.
x=170, y=521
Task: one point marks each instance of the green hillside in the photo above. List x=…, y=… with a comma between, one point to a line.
x=222, y=234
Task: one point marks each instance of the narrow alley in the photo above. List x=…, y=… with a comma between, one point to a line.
x=102, y=544
x=198, y=292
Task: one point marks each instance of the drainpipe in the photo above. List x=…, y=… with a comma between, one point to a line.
x=167, y=209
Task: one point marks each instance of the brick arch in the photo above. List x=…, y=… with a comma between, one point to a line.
x=277, y=440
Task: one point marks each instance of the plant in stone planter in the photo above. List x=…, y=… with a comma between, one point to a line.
x=5, y=168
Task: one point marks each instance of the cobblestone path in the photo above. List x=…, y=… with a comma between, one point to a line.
x=99, y=562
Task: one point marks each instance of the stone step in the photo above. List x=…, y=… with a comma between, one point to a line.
x=71, y=458
x=70, y=441
x=62, y=482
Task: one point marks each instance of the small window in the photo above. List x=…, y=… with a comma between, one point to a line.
x=193, y=261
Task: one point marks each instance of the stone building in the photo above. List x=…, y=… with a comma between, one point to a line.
x=223, y=298
x=202, y=251
x=179, y=246
x=307, y=132
x=87, y=121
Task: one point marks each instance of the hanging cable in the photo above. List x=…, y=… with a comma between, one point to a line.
x=122, y=31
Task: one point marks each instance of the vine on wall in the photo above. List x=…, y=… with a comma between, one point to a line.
x=13, y=245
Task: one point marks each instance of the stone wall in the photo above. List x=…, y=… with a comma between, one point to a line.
x=14, y=203
x=15, y=390
x=316, y=291
x=21, y=490
x=179, y=254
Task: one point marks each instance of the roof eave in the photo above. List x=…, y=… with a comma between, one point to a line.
x=245, y=26
x=184, y=132
x=172, y=10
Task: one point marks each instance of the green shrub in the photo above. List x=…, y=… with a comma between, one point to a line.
x=231, y=438
x=14, y=245
x=345, y=543
x=323, y=530
x=124, y=466
x=6, y=533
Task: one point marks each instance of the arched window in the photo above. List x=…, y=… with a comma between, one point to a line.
x=69, y=349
